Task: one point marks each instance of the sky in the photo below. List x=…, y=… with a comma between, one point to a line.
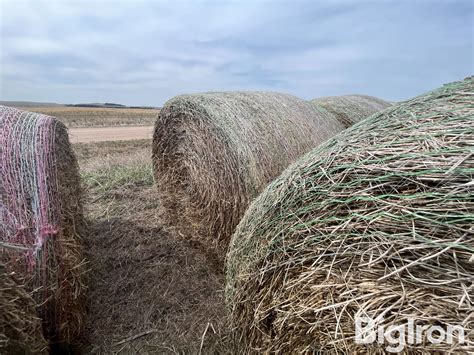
x=146, y=52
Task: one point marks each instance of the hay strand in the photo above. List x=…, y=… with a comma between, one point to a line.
x=20, y=328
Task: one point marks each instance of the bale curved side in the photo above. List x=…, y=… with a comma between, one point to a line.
x=377, y=222
x=350, y=109
x=214, y=152
x=41, y=214
x=20, y=327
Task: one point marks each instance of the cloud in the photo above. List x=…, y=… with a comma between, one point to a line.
x=145, y=52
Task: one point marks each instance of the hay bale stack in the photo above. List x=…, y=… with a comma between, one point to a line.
x=376, y=222
x=350, y=109
x=41, y=217
x=20, y=328
x=214, y=152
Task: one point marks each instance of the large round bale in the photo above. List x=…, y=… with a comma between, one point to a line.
x=41, y=218
x=20, y=327
x=375, y=224
x=214, y=152
x=350, y=109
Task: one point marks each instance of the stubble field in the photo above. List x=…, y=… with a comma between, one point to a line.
x=94, y=116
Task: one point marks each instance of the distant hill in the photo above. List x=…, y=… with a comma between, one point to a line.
x=97, y=104
x=109, y=105
x=29, y=104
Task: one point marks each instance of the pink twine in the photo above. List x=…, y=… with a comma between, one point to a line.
x=29, y=204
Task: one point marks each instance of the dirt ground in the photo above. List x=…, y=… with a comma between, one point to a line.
x=113, y=133
x=150, y=290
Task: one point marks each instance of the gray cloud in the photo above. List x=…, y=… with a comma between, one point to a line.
x=148, y=51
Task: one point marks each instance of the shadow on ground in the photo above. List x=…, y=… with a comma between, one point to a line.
x=150, y=291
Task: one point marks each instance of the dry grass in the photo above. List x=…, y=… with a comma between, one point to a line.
x=350, y=109
x=20, y=327
x=214, y=152
x=92, y=116
x=150, y=290
x=377, y=222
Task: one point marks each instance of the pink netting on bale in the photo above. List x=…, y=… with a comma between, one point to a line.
x=41, y=218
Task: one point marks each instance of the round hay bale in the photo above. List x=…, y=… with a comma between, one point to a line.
x=41, y=217
x=214, y=152
x=350, y=109
x=377, y=222
x=20, y=327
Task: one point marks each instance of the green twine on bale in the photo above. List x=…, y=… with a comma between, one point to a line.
x=377, y=222
x=214, y=152
x=350, y=109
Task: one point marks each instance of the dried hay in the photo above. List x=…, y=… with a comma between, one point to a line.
x=214, y=152
x=20, y=328
x=41, y=217
x=376, y=222
x=350, y=109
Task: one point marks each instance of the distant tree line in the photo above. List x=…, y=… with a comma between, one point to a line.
x=109, y=105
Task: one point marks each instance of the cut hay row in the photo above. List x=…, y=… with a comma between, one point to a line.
x=378, y=223
x=41, y=218
x=20, y=327
x=350, y=109
x=214, y=152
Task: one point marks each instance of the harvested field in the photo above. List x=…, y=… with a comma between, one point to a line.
x=214, y=152
x=97, y=156
x=350, y=109
x=150, y=290
x=104, y=134
x=41, y=217
x=94, y=116
x=109, y=165
x=378, y=223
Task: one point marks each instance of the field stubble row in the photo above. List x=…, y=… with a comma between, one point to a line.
x=98, y=117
